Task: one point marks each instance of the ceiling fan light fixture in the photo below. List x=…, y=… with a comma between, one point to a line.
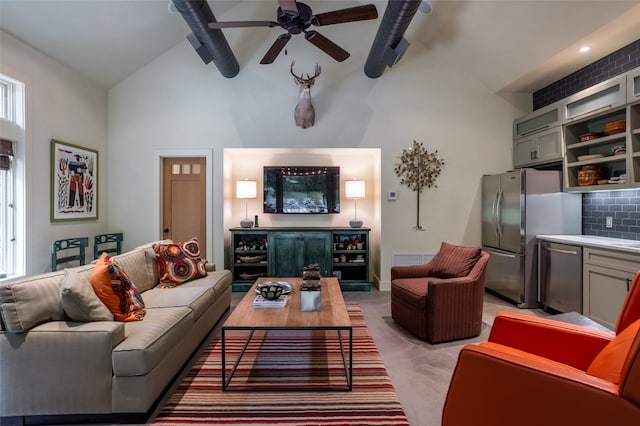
x=296, y=17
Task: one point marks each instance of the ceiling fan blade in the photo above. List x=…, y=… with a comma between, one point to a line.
x=290, y=7
x=275, y=49
x=242, y=24
x=358, y=13
x=326, y=45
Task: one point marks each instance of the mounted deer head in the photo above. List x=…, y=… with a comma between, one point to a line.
x=304, y=113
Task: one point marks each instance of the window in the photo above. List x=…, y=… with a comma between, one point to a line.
x=11, y=176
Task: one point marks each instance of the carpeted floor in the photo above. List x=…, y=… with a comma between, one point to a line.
x=199, y=399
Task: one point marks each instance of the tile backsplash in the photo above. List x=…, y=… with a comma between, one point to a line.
x=622, y=206
x=616, y=63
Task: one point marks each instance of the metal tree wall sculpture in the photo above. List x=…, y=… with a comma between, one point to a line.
x=419, y=169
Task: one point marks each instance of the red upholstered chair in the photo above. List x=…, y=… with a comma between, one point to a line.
x=536, y=371
x=441, y=300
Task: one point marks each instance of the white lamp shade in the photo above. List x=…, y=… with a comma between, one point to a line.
x=246, y=189
x=354, y=189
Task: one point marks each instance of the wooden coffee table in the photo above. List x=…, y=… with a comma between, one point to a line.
x=333, y=315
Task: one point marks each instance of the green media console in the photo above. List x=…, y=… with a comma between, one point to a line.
x=283, y=252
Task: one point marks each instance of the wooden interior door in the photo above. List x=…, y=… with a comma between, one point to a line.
x=184, y=199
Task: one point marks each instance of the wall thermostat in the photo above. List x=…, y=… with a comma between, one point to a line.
x=392, y=195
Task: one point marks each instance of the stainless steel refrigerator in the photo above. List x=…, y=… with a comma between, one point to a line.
x=517, y=206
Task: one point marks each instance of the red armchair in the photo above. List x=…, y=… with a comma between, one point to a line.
x=441, y=300
x=535, y=371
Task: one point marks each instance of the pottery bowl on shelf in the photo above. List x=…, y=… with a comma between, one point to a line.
x=590, y=157
x=588, y=136
x=588, y=176
x=619, y=149
x=615, y=127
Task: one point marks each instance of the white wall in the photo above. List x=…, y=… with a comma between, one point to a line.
x=176, y=102
x=63, y=105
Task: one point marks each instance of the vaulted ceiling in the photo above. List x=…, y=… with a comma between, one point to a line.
x=511, y=45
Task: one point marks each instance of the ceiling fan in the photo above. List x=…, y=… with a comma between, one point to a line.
x=296, y=17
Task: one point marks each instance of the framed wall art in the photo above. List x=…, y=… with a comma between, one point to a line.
x=74, y=182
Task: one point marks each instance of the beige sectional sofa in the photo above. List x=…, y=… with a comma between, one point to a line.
x=50, y=365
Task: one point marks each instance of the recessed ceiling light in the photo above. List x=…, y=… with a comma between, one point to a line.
x=584, y=49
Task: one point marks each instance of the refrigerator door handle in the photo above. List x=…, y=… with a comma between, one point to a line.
x=494, y=214
x=499, y=213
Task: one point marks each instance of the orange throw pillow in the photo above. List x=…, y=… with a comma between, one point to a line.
x=113, y=286
x=609, y=362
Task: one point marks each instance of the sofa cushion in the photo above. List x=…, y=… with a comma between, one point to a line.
x=453, y=261
x=79, y=300
x=609, y=362
x=147, y=342
x=141, y=267
x=198, y=299
x=179, y=262
x=31, y=301
x=113, y=286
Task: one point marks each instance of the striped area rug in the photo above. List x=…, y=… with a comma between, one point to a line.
x=270, y=362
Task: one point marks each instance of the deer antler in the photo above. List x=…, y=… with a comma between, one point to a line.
x=300, y=79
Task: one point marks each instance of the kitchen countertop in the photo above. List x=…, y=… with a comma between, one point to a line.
x=629, y=246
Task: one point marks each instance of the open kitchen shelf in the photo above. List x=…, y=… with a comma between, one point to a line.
x=599, y=151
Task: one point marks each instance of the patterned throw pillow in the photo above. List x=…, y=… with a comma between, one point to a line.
x=179, y=263
x=113, y=286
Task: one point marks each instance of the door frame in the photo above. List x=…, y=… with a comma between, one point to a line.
x=158, y=156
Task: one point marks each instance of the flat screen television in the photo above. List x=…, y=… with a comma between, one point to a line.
x=301, y=190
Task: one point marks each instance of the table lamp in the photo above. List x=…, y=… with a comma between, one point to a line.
x=246, y=189
x=354, y=190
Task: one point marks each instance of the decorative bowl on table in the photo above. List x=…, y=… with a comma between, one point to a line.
x=272, y=290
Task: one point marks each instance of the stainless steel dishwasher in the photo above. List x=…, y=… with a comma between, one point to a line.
x=560, y=276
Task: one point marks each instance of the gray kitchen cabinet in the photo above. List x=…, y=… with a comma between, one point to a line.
x=607, y=276
x=606, y=96
x=590, y=143
x=539, y=148
x=587, y=143
x=633, y=86
x=537, y=137
x=582, y=137
x=634, y=139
